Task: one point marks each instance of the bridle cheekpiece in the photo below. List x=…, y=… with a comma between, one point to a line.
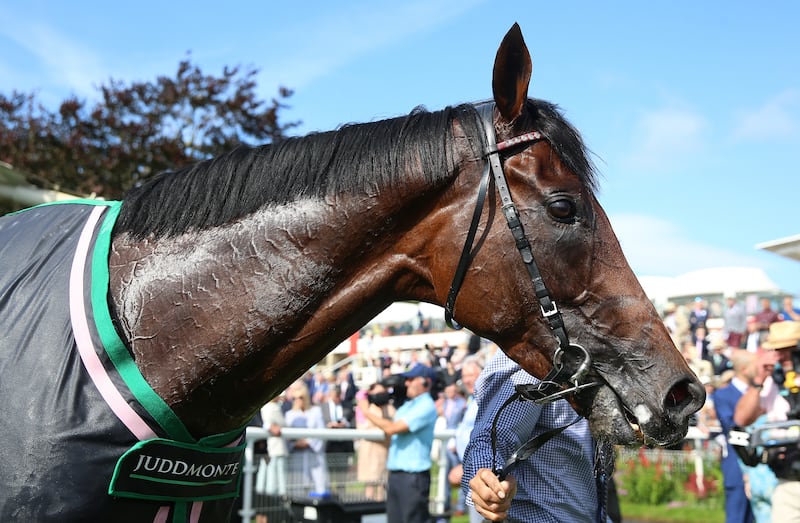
x=571, y=361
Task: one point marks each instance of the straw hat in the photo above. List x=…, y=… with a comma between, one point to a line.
x=783, y=335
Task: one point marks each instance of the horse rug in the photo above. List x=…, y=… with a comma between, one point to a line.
x=84, y=437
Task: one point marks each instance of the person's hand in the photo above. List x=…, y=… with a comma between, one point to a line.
x=492, y=497
x=454, y=476
x=764, y=365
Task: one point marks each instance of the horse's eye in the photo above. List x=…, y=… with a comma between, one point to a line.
x=563, y=210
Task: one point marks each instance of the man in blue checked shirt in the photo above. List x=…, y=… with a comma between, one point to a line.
x=556, y=484
x=409, y=461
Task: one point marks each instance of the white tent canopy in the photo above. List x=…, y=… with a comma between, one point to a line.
x=788, y=247
x=717, y=281
x=403, y=311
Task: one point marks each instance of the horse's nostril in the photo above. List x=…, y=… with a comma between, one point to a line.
x=677, y=395
x=684, y=397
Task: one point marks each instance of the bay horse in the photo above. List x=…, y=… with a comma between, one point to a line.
x=140, y=336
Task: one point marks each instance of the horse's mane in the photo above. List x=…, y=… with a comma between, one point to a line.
x=356, y=157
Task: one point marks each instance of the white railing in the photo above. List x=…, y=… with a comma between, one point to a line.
x=255, y=434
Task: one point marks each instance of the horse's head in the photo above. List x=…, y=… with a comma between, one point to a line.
x=645, y=391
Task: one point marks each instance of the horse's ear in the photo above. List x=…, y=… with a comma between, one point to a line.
x=512, y=74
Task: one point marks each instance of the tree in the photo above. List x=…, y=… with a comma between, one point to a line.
x=136, y=130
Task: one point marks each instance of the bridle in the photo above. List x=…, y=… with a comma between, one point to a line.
x=571, y=361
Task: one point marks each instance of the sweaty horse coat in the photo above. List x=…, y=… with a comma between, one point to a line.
x=82, y=402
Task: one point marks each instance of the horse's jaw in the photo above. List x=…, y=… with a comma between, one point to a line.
x=611, y=421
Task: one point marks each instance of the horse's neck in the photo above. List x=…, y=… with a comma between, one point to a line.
x=244, y=309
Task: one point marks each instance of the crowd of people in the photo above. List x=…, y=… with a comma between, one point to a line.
x=448, y=387
x=463, y=387
x=395, y=470
x=748, y=368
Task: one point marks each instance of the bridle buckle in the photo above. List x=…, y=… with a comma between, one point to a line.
x=551, y=312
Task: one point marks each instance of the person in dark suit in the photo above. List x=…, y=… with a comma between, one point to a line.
x=336, y=416
x=737, y=506
x=347, y=392
x=719, y=362
x=698, y=317
x=338, y=453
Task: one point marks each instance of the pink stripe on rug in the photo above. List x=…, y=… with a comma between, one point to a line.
x=194, y=515
x=83, y=338
x=162, y=515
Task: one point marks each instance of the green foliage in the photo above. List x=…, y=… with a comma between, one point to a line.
x=683, y=513
x=661, y=487
x=652, y=485
x=653, y=480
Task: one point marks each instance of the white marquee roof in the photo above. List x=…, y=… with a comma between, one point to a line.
x=788, y=247
x=720, y=280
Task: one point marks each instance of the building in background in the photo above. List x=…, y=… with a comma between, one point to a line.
x=788, y=247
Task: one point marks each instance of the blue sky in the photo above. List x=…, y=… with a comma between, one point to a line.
x=692, y=109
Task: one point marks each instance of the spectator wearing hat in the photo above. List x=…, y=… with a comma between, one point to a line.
x=409, y=461
x=766, y=397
